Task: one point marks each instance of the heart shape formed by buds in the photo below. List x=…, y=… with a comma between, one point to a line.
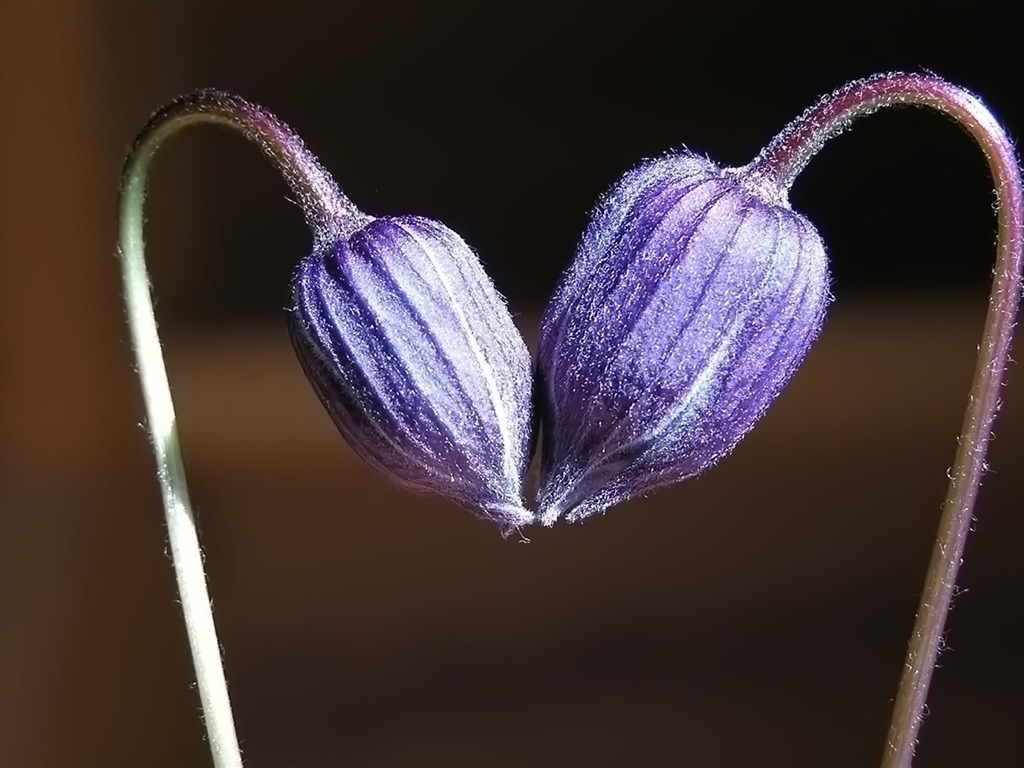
x=693, y=297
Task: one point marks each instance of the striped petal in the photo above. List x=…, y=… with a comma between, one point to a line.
x=417, y=360
x=691, y=301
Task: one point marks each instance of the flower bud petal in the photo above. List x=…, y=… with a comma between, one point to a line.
x=416, y=358
x=692, y=299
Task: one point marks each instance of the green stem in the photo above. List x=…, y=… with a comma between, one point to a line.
x=330, y=215
x=779, y=165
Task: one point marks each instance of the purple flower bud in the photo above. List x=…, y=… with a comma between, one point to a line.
x=693, y=297
x=417, y=360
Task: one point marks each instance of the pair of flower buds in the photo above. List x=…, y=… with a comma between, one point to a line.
x=694, y=294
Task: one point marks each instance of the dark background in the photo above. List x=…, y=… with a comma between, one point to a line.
x=507, y=120
x=754, y=617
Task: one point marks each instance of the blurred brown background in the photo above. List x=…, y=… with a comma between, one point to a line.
x=754, y=617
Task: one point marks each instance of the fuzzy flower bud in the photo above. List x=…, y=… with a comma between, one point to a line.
x=416, y=358
x=693, y=297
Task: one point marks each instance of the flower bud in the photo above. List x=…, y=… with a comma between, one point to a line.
x=416, y=358
x=693, y=297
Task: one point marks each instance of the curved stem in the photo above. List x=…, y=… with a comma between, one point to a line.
x=329, y=214
x=779, y=165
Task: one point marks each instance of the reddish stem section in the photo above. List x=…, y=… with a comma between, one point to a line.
x=329, y=213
